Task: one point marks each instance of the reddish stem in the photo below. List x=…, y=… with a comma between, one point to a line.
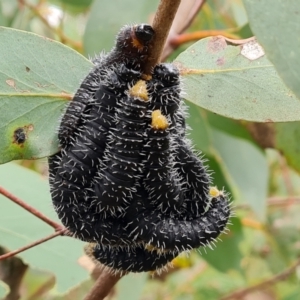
x=30, y=209
x=197, y=35
x=43, y=240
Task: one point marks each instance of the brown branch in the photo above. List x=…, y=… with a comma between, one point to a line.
x=161, y=24
x=38, y=242
x=183, y=19
x=103, y=285
x=197, y=35
x=262, y=285
x=30, y=209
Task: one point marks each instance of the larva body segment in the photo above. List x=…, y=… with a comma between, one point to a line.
x=163, y=189
x=179, y=233
x=131, y=49
x=196, y=180
x=164, y=91
x=131, y=259
x=72, y=170
x=121, y=167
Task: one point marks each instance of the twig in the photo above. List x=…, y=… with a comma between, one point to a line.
x=262, y=285
x=103, y=285
x=197, y=35
x=30, y=209
x=161, y=24
x=38, y=242
x=182, y=21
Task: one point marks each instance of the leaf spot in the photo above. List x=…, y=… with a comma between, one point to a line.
x=43, y=85
x=216, y=44
x=27, y=69
x=221, y=61
x=252, y=50
x=19, y=136
x=11, y=83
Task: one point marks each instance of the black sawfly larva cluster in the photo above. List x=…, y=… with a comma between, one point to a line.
x=126, y=179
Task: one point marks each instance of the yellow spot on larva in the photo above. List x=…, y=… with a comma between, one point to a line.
x=214, y=192
x=159, y=121
x=139, y=90
x=182, y=262
x=151, y=248
x=146, y=77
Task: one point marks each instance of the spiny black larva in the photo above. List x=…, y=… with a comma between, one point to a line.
x=180, y=234
x=130, y=259
x=90, y=225
x=72, y=170
x=131, y=49
x=163, y=188
x=164, y=91
x=135, y=190
x=79, y=160
x=121, y=167
x=196, y=179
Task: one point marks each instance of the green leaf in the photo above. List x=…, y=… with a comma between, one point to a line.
x=74, y=6
x=212, y=284
x=218, y=77
x=19, y=228
x=107, y=17
x=131, y=286
x=287, y=141
x=229, y=244
x=8, y=9
x=238, y=165
x=245, y=168
x=199, y=133
x=4, y=290
x=77, y=292
x=229, y=126
x=37, y=78
x=276, y=25
x=36, y=283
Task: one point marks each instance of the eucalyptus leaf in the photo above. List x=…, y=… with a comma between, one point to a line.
x=276, y=24
x=38, y=77
x=19, y=228
x=287, y=142
x=74, y=6
x=4, y=289
x=229, y=244
x=236, y=81
x=245, y=168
